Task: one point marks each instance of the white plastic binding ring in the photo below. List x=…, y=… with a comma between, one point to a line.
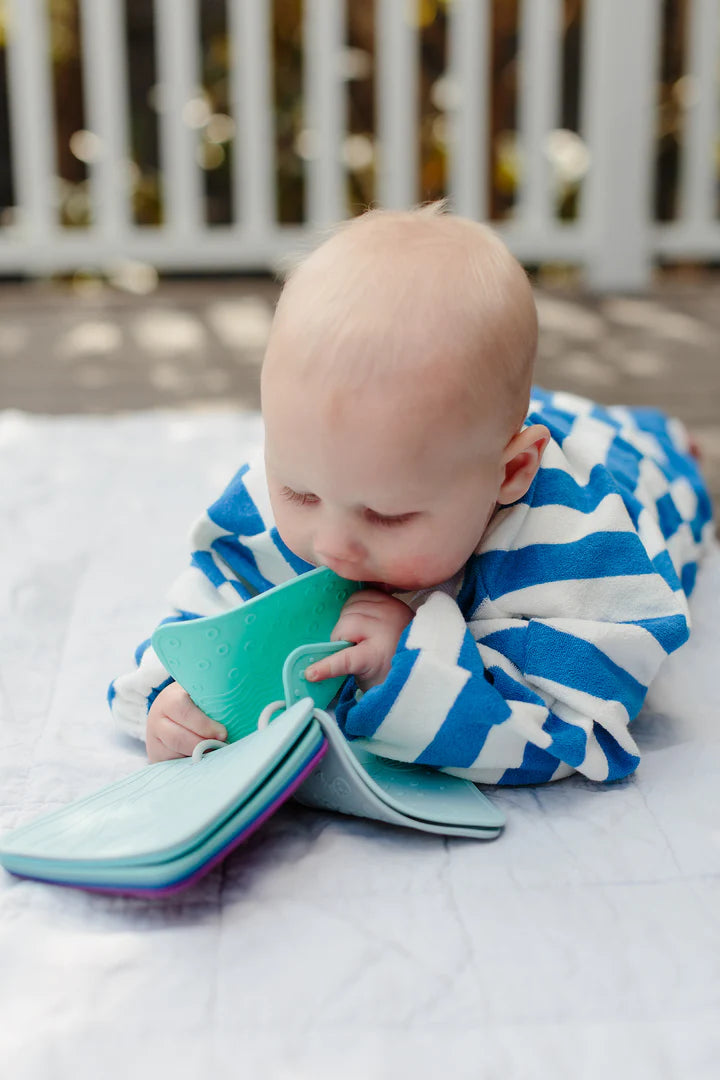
x=267, y=714
x=206, y=744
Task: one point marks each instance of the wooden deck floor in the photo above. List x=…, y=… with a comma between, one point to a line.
x=198, y=344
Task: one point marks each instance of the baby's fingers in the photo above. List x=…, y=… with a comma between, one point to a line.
x=169, y=740
x=346, y=662
x=186, y=713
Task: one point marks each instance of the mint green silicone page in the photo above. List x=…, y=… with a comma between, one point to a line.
x=167, y=871
x=351, y=780
x=159, y=812
x=232, y=664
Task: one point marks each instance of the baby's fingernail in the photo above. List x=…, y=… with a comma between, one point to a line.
x=220, y=732
x=311, y=674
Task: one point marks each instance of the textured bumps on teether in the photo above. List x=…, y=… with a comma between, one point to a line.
x=232, y=664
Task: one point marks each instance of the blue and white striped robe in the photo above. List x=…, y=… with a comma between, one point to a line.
x=535, y=659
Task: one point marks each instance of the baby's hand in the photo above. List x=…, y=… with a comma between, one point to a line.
x=175, y=725
x=375, y=621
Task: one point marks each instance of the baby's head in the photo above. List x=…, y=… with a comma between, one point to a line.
x=395, y=387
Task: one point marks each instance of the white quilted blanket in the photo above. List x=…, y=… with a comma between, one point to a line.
x=586, y=940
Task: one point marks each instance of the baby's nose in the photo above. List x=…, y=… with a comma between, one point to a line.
x=339, y=549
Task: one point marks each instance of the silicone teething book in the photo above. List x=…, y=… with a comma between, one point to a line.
x=166, y=825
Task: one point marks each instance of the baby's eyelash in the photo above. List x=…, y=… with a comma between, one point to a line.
x=388, y=522
x=306, y=498
x=300, y=498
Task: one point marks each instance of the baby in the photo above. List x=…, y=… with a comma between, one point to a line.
x=527, y=556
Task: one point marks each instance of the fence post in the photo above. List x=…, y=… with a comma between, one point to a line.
x=620, y=84
x=396, y=104
x=30, y=103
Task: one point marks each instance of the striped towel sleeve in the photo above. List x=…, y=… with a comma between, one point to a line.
x=531, y=701
x=236, y=553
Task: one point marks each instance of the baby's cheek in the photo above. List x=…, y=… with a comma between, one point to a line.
x=295, y=538
x=424, y=570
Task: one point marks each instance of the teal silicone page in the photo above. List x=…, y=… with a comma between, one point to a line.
x=427, y=794
x=163, y=875
x=351, y=780
x=160, y=811
x=232, y=664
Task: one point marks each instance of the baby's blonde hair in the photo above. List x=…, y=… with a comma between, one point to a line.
x=421, y=293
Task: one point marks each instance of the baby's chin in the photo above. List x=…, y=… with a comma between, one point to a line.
x=405, y=587
x=383, y=586
x=407, y=584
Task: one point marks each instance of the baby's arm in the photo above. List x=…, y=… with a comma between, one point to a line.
x=236, y=554
x=522, y=701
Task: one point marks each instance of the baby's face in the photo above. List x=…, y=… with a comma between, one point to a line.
x=376, y=490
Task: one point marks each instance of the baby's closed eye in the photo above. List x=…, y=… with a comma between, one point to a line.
x=388, y=520
x=307, y=498
x=300, y=498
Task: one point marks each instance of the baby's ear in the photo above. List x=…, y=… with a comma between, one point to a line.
x=520, y=461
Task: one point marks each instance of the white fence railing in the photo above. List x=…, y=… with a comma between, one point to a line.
x=613, y=237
